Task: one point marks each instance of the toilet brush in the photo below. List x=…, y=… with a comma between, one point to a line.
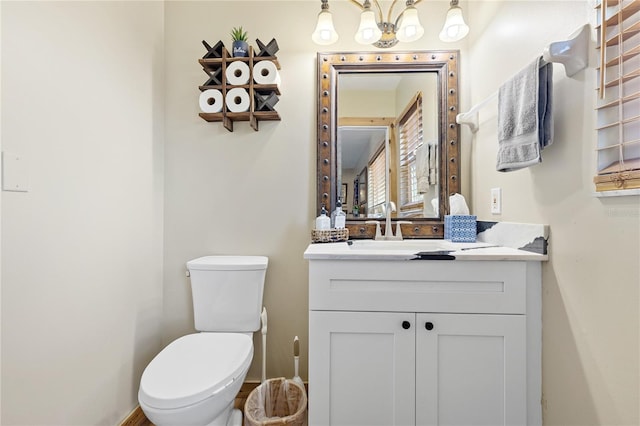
x=296, y=361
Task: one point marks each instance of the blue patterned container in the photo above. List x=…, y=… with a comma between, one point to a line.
x=460, y=228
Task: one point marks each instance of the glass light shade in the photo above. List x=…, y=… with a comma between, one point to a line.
x=454, y=28
x=368, y=31
x=324, y=33
x=410, y=28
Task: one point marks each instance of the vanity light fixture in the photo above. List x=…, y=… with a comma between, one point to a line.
x=375, y=30
x=454, y=28
x=324, y=33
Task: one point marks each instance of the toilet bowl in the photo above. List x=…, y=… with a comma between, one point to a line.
x=194, y=380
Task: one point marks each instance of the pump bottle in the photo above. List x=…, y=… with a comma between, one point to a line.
x=323, y=222
x=338, y=217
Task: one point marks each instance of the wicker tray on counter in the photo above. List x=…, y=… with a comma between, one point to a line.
x=329, y=235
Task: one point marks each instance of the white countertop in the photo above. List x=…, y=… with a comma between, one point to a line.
x=408, y=250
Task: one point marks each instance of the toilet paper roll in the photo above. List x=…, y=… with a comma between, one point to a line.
x=238, y=100
x=237, y=73
x=211, y=100
x=266, y=72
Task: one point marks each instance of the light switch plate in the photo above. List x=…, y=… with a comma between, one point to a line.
x=496, y=200
x=14, y=172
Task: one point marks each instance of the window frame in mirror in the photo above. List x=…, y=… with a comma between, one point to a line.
x=329, y=67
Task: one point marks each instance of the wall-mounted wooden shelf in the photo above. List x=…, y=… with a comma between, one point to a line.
x=262, y=97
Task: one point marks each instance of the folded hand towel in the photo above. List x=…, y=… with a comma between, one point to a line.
x=422, y=169
x=433, y=163
x=525, y=121
x=426, y=166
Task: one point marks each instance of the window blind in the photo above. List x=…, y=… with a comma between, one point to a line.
x=618, y=105
x=410, y=138
x=376, y=189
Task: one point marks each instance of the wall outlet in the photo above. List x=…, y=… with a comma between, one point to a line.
x=496, y=200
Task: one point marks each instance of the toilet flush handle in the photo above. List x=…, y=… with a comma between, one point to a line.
x=187, y=273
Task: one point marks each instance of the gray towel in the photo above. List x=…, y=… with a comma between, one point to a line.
x=525, y=117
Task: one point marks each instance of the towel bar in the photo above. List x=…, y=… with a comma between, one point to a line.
x=572, y=53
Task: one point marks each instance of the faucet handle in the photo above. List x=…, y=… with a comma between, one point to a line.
x=399, y=228
x=377, y=223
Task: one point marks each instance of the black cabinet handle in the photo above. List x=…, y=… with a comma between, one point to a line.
x=428, y=325
x=406, y=325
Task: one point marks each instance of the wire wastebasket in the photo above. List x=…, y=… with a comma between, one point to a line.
x=276, y=402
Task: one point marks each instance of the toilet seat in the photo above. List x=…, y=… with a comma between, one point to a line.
x=193, y=368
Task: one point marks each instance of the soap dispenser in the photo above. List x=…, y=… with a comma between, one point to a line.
x=338, y=217
x=323, y=222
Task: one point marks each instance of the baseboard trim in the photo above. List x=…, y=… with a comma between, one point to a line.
x=135, y=418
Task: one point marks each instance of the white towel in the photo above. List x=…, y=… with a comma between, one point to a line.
x=422, y=169
x=525, y=120
x=433, y=163
x=426, y=167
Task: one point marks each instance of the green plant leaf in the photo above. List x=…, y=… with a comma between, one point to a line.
x=238, y=34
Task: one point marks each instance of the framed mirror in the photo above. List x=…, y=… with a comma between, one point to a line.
x=387, y=136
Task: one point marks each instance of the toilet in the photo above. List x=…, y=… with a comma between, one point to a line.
x=195, y=379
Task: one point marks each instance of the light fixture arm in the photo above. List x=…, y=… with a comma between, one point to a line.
x=391, y=11
x=375, y=2
x=379, y=9
x=357, y=3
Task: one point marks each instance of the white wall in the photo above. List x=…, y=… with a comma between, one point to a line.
x=248, y=192
x=81, y=261
x=244, y=192
x=590, y=284
x=82, y=250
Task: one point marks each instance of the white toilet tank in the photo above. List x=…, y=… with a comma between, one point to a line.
x=227, y=292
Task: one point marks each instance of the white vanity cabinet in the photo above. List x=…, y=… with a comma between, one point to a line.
x=424, y=342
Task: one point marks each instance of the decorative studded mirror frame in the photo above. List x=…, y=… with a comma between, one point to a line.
x=445, y=64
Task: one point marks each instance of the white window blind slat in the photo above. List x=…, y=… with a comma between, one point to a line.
x=410, y=138
x=376, y=186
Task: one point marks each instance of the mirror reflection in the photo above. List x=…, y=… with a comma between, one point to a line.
x=363, y=167
x=387, y=144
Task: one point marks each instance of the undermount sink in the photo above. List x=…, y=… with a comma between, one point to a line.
x=411, y=245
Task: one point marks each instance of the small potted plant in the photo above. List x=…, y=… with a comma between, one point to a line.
x=240, y=45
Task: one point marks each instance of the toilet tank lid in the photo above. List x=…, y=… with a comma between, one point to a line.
x=228, y=263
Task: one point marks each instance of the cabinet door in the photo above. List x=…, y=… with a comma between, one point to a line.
x=361, y=368
x=470, y=369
